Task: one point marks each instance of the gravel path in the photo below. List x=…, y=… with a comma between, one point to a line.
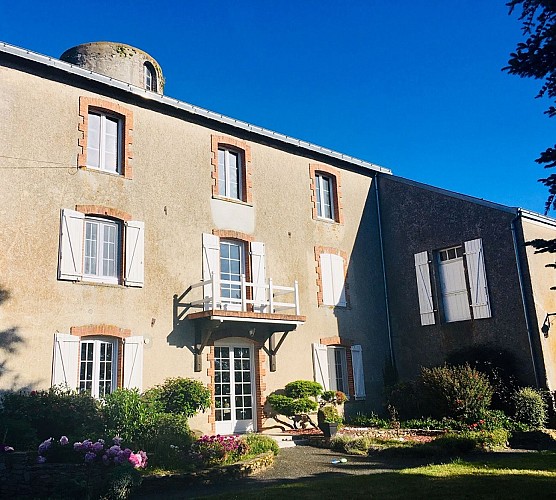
x=292, y=464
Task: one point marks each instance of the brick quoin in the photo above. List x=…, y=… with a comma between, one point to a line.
x=334, y=251
x=103, y=211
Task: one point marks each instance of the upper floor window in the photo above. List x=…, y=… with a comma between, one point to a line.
x=232, y=267
x=231, y=169
x=325, y=201
x=462, y=280
x=326, y=195
x=230, y=173
x=149, y=76
x=105, y=136
x=332, y=278
x=101, y=246
x=104, y=142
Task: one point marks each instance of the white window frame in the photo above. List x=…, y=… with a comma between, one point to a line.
x=98, y=276
x=149, y=78
x=97, y=343
x=323, y=198
x=236, y=302
x=102, y=142
x=225, y=168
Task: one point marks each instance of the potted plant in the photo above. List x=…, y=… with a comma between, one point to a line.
x=328, y=417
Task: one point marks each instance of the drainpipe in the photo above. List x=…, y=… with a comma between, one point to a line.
x=522, y=291
x=388, y=326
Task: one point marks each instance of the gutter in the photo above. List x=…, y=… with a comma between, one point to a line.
x=384, y=281
x=522, y=291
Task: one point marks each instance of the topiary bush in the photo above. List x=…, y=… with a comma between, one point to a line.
x=460, y=392
x=182, y=396
x=530, y=408
x=303, y=389
x=295, y=403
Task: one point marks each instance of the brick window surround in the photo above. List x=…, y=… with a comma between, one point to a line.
x=124, y=114
x=103, y=330
x=259, y=361
x=346, y=343
x=113, y=213
x=247, y=169
x=334, y=251
x=334, y=174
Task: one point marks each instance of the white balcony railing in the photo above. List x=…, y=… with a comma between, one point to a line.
x=244, y=296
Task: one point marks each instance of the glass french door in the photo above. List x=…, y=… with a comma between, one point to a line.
x=234, y=387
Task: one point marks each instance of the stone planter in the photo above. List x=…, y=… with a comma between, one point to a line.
x=329, y=429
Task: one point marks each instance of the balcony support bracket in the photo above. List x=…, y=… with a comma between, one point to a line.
x=203, y=332
x=273, y=346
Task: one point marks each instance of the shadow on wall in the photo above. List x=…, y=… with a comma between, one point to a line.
x=183, y=332
x=10, y=342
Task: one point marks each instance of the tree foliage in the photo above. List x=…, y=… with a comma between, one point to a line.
x=536, y=58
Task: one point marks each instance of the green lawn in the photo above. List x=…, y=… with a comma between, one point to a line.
x=518, y=476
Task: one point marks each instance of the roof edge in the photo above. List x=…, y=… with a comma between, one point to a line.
x=176, y=103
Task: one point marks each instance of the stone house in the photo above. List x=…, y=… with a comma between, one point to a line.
x=146, y=238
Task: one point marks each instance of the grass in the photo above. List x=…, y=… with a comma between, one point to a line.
x=512, y=476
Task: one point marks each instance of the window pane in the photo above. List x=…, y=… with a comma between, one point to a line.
x=91, y=237
x=221, y=173
x=93, y=141
x=110, y=144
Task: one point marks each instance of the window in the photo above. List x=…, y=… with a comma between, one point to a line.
x=227, y=256
x=462, y=283
x=230, y=173
x=326, y=193
x=105, y=136
x=103, y=142
x=325, y=203
x=97, y=367
x=232, y=266
x=339, y=368
x=231, y=169
x=332, y=279
x=98, y=363
x=101, y=249
x=149, y=77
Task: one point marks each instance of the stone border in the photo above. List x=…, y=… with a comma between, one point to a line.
x=157, y=482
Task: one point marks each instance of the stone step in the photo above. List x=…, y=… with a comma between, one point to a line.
x=286, y=440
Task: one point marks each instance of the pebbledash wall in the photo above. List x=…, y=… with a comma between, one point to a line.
x=166, y=192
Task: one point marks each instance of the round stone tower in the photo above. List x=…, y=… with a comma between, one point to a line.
x=119, y=61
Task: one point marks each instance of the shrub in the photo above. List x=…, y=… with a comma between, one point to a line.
x=407, y=397
x=353, y=445
x=258, y=443
x=283, y=405
x=371, y=420
x=303, y=389
x=182, y=396
x=456, y=391
x=425, y=423
x=129, y=415
x=168, y=441
x=329, y=414
x=530, y=407
x=209, y=451
x=47, y=413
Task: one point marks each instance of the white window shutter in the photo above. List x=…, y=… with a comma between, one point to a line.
x=326, y=279
x=133, y=363
x=65, y=360
x=426, y=304
x=358, y=375
x=338, y=280
x=320, y=365
x=477, y=278
x=258, y=270
x=211, y=268
x=71, y=245
x=134, y=253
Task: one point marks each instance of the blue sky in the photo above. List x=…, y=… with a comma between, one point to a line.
x=413, y=86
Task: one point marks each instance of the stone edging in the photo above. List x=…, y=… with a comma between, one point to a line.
x=155, y=482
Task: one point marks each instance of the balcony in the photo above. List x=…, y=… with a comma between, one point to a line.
x=240, y=308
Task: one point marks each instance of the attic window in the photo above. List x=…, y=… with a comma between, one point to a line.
x=150, y=77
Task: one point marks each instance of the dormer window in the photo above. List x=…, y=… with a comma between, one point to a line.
x=149, y=76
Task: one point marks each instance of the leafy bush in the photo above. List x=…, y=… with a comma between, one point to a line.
x=371, y=420
x=329, y=414
x=426, y=423
x=353, y=445
x=129, y=415
x=209, y=451
x=460, y=392
x=530, y=408
x=408, y=399
x=183, y=396
x=168, y=441
x=46, y=413
x=258, y=443
x=283, y=405
x=303, y=389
